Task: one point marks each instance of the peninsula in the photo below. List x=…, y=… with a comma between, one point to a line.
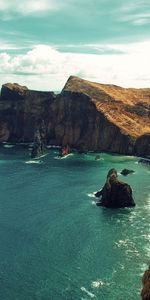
x=85, y=115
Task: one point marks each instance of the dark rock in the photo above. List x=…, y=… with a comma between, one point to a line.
x=145, y=292
x=98, y=194
x=115, y=194
x=21, y=111
x=97, y=157
x=125, y=172
x=39, y=142
x=144, y=161
x=65, y=150
x=142, y=145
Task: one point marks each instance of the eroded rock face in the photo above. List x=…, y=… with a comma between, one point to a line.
x=79, y=124
x=85, y=116
x=142, y=145
x=21, y=111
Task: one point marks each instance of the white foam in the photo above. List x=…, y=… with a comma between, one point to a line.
x=43, y=155
x=63, y=157
x=83, y=289
x=33, y=162
x=57, y=157
x=97, y=284
x=8, y=146
x=53, y=146
x=91, y=195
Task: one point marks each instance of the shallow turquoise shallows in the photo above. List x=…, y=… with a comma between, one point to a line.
x=55, y=243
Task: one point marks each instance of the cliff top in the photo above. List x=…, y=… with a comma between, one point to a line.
x=128, y=108
x=15, y=87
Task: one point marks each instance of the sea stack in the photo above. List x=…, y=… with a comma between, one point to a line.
x=115, y=194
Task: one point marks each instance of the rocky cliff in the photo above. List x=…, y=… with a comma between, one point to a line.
x=85, y=115
x=22, y=111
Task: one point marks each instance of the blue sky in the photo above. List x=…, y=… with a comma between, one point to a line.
x=43, y=42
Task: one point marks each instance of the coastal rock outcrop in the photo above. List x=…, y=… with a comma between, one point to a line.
x=85, y=115
x=39, y=141
x=115, y=194
x=21, y=112
x=142, y=145
x=145, y=292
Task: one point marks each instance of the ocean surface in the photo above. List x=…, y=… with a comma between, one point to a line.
x=55, y=243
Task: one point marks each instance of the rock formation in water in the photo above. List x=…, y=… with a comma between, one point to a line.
x=64, y=150
x=39, y=141
x=145, y=292
x=126, y=172
x=115, y=194
x=85, y=115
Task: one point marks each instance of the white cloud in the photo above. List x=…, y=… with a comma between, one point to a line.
x=133, y=17
x=27, y=7
x=141, y=21
x=45, y=68
x=135, y=12
x=128, y=6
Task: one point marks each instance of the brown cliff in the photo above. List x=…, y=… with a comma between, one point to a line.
x=85, y=115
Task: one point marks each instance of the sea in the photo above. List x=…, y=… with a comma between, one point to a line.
x=55, y=243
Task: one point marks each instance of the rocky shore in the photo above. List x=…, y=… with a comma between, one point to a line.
x=85, y=115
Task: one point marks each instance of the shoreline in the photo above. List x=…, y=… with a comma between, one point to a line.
x=28, y=145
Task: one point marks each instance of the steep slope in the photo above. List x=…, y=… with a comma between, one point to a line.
x=129, y=109
x=22, y=111
x=85, y=115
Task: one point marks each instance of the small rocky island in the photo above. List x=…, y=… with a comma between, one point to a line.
x=115, y=193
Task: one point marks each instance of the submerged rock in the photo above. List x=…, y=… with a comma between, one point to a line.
x=97, y=157
x=115, y=194
x=125, y=172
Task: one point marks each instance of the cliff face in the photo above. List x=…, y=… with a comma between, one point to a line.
x=86, y=115
x=79, y=124
x=22, y=111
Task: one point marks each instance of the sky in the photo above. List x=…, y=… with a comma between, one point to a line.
x=43, y=42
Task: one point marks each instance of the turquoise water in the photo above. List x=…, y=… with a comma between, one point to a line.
x=56, y=244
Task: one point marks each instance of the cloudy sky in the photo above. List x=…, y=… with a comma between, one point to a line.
x=43, y=42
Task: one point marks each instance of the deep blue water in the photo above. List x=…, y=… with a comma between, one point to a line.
x=55, y=244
